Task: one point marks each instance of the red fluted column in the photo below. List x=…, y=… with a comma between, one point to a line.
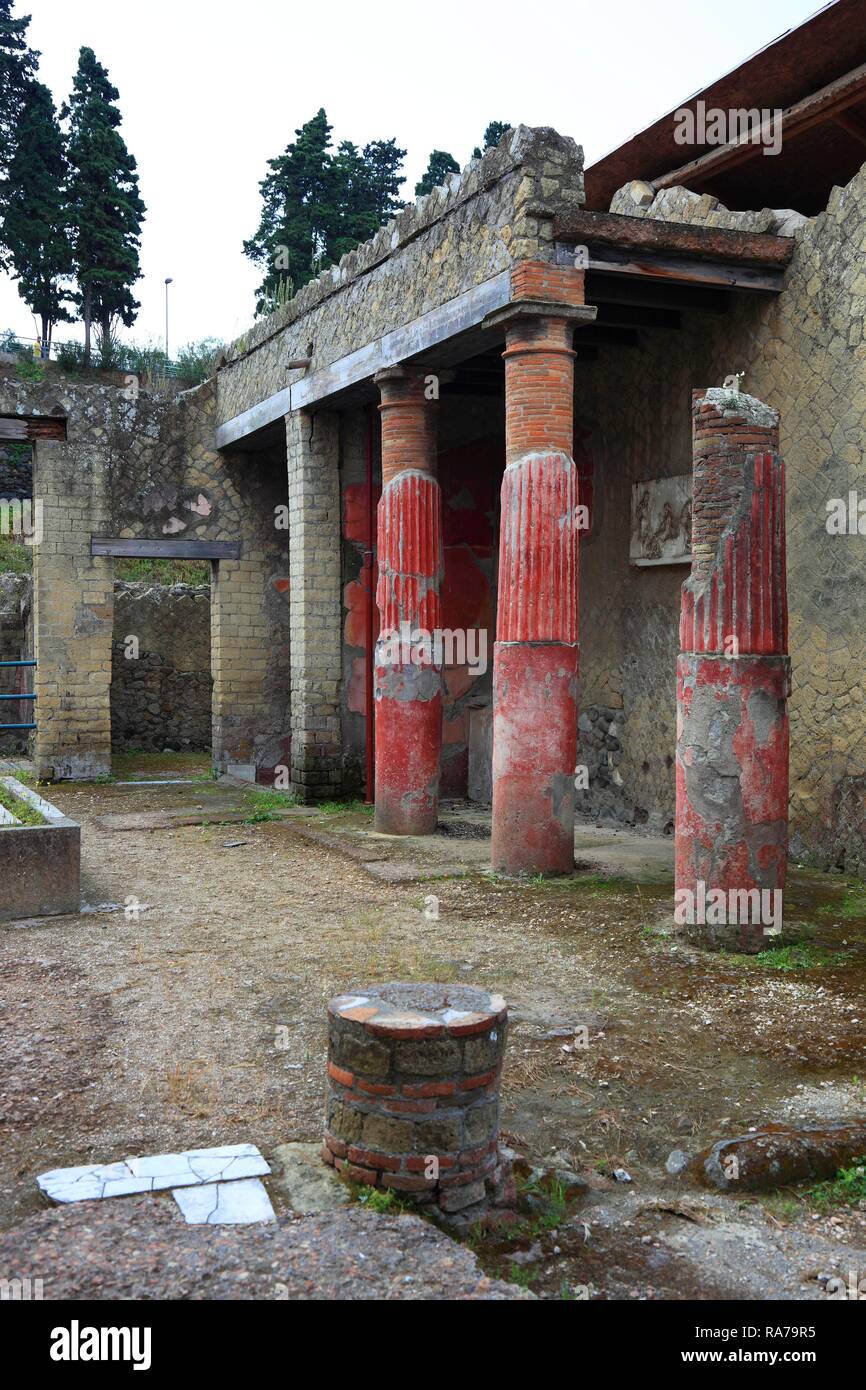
x=408, y=683
x=733, y=680
x=536, y=650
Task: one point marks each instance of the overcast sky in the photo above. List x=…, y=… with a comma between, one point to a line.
x=211, y=90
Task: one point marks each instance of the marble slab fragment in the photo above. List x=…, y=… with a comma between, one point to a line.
x=225, y=1203
x=153, y=1173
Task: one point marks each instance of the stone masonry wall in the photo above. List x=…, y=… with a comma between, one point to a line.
x=804, y=354
x=144, y=466
x=161, y=695
x=16, y=474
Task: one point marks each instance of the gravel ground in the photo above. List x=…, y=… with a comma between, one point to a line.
x=141, y=1249
x=200, y=1019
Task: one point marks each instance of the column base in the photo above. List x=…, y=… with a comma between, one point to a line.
x=408, y=749
x=534, y=753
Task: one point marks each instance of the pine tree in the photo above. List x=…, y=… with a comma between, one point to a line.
x=355, y=218
x=35, y=223
x=494, y=133
x=439, y=166
x=384, y=160
x=298, y=214
x=106, y=211
x=317, y=205
x=17, y=66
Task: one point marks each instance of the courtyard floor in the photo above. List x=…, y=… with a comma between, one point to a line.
x=186, y=1008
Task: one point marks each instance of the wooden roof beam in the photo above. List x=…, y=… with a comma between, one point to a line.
x=821, y=106
x=648, y=234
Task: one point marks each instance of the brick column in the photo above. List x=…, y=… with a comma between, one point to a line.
x=313, y=439
x=536, y=650
x=733, y=679
x=408, y=682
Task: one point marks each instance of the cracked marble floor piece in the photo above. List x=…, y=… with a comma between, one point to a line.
x=153, y=1173
x=225, y=1203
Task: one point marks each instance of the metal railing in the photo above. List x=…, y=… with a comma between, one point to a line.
x=32, y=350
x=20, y=695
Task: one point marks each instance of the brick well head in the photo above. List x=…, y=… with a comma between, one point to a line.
x=413, y=1092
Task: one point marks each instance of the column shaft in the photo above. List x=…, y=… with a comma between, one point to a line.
x=733, y=680
x=408, y=678
x=536, y=651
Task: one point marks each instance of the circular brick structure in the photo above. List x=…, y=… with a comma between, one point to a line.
x=413, y=1103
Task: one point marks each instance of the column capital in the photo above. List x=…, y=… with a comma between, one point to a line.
x=520, y=309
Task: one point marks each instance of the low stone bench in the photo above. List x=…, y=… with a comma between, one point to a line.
x=40, y=865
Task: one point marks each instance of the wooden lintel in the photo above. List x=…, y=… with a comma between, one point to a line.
x=461, y=315
x=685, y=271
x=824, y=105
x=32, y=427
x=165, y=549
x=647, y=234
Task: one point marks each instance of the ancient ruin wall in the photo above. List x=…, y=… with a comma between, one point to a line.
x=804, y=353
x=161, y=687
x=499, y=210
x=142, y=466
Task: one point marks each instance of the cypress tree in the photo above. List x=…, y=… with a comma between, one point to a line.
x=298, y=213
x=439, y=166
x=35, y=223
x=17, y=66
x=106, y=211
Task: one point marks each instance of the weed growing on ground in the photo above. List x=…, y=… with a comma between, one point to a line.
x=797, y=955
x=21, y=810
x=265, y=804
x=847, y=1189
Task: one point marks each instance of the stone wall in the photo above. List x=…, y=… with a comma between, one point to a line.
x=16, y=474
x=161, y=686
x=804, y=354
x=144, y=466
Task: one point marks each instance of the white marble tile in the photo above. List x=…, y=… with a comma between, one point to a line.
x=153, y=1173
x=225, y=1203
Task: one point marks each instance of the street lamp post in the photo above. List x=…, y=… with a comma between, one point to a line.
x=168, y=282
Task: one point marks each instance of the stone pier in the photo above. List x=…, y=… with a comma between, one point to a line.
x=733, y=680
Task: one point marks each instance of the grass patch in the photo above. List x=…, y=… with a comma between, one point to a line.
x=138, y=570
x=381, y=1200
x=343, y=808
x=847, y=1189
x=265, y=804
x=15, y=556
x=520, y=1275
x=22, y=810
x=594, y=885
x=852, y=904
x=136, y=763
x=798, y=955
